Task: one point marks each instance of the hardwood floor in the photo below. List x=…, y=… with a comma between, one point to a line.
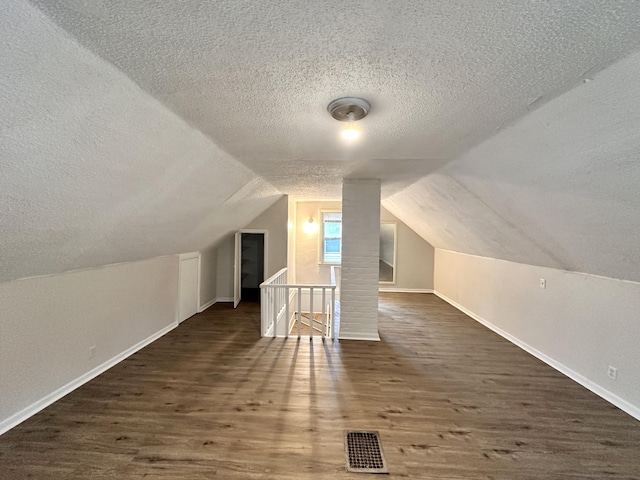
x=211, y=399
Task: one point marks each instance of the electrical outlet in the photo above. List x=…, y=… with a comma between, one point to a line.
x=92, y=351
x=543, y=283
x=612, y=372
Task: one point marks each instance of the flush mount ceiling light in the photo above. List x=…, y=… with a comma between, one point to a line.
x=349, y=109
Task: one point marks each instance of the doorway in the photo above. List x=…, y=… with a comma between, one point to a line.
x=250, y=265
x=252, y=271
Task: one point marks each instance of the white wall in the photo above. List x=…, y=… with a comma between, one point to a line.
x=275, y=219
x=579, y=324
x=415, y=257
x=307, y=255
x=291, y=240
x=208, y=277
x=224, y=274
x=49, y=323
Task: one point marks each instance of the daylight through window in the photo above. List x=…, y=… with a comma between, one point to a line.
x=331, y=237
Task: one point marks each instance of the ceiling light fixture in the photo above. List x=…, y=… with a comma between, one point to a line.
x=349, y=109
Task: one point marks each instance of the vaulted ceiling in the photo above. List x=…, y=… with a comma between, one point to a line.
x=132, y=129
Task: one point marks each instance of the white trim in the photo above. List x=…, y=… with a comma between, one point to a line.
x=47, y=400
x=319, y=213
x=575, y=376
x=187, y=256
x=272, y=277
x=358, y=336
x=237, y=268
x=181, y=258
x=202, y=308
x=211, y=303
x=405, y=290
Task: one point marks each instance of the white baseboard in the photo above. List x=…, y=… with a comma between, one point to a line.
x=44, y=402
x=404, y=290
x=207, y=305
x=357, y=336
x=575, y=376
x=213, y=302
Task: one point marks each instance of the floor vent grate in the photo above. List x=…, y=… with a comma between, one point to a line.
x=364, y=452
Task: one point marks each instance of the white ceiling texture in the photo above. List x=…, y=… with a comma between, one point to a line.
x=131, y=128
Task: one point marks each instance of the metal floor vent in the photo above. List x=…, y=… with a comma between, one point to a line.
x=364, y=452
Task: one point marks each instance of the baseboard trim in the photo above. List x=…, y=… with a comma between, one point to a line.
x=47, y=400
x=356, y=336
x=575, y=376
x=404, y=290
x=207, y=305
x=224, y=299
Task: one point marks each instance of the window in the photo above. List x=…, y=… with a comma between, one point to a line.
x=331, y=237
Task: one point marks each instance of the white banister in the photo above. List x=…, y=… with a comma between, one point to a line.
x=276, y=298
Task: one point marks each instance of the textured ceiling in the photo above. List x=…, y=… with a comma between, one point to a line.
x=560, y=188
x=133, y=128
x=256, y=76
x=96, y=171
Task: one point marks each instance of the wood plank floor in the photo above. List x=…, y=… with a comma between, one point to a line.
x=450, y=399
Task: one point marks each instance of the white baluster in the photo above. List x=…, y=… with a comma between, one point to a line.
x=286, y=311
x=333, y=312
x=311, y=314
x=299, y=310
x=324, y=307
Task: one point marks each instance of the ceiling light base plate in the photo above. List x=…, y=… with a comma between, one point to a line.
x=341, y=108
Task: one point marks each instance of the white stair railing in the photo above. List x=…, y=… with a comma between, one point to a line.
x=282, y=307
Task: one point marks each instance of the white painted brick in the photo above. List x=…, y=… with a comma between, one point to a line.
x=360, y=262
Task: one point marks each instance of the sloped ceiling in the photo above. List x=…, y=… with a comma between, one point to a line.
x=95, y=170
x=129, y=123
x=560, y=188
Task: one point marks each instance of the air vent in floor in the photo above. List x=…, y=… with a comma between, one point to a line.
x=364, y=452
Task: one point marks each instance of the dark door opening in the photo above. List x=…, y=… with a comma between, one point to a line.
x=252, y=266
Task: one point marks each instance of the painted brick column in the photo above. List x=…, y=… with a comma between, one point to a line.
x=360, y=259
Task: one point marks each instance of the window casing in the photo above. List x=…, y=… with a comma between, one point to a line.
x=331, y=238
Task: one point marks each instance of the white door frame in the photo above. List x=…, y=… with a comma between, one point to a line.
x=183, y=257
x=237, y=274
x=237, y=263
